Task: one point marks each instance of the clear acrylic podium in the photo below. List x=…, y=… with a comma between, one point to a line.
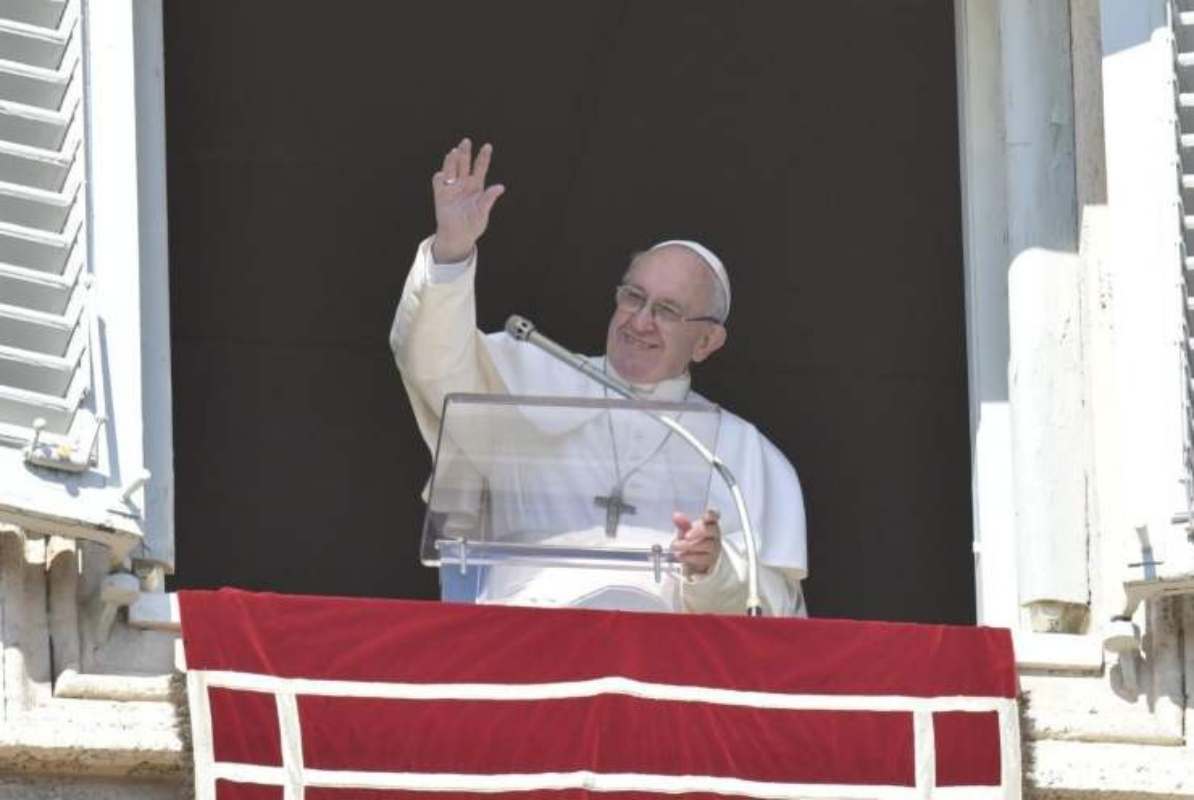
x=563, y=501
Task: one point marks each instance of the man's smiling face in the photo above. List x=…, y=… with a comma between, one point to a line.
x=642, y=349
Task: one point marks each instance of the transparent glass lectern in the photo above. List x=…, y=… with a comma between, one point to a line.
x=563, y=501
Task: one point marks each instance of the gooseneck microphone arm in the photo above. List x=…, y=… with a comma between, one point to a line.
x=523, y=330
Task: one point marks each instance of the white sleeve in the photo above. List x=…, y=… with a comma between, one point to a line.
x=435, y=340
x=723, y=589
x=449, y=272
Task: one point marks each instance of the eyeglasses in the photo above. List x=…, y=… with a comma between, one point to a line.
x=633, y=299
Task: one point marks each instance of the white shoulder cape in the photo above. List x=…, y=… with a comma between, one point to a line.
x=769, y=484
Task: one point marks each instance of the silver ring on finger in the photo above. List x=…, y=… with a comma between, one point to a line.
x=449, y=181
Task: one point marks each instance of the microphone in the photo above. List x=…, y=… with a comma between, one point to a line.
x=523, y=330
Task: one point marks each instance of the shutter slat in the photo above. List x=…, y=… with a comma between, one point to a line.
x=34, y=86
x=34, y=45
x=37, y=249
x=49, y=334
x=35, y=208
x=41, y=13
x=37, y=167
x=32, y=404
x=35, y=372
x=39, y=291
x=21, y=406
x=32, y=126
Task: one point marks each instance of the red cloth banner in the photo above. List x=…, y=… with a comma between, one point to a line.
x=330, y=698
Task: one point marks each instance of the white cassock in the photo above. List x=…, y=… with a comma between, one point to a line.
x=439, y=351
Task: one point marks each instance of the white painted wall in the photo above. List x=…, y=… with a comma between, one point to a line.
x=1145, y=268
x=1093, y=729
x=984, y=214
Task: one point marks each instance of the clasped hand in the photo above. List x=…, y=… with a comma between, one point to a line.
x=697, y=543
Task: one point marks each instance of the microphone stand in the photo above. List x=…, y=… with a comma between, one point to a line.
x=523, y=330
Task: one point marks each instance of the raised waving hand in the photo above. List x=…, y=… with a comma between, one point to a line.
x=462, y=201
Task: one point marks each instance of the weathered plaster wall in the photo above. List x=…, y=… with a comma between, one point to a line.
x=74, y=788
x=103, y=713
x=1097, y=725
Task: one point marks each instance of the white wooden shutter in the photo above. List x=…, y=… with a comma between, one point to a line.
x=44, y=323
x=1182, y=19
x=82, y=264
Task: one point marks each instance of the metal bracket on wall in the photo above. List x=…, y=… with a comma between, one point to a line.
x=65, y=456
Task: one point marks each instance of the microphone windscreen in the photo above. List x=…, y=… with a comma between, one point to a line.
x=519, y=328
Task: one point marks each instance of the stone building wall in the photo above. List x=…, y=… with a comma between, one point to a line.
x=81, y=717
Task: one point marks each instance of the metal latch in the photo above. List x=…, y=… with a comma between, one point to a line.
x=65, y=456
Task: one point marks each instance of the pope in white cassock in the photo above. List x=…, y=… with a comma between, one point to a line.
x=670, y=312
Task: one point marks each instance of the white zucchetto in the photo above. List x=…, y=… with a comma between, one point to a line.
x=711, y=260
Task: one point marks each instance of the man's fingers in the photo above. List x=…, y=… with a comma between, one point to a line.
x=695, y=538
x=701, y=530
x=685, y=548
x=490, y=197
x=697, y=544
x=448, y=169
x=697, y=562
x=464, y=165
x=456, y=162
x=481, y=166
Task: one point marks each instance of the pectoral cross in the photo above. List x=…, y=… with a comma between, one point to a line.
x=614, y=505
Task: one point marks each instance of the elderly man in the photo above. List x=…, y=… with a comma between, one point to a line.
x=669, y=313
